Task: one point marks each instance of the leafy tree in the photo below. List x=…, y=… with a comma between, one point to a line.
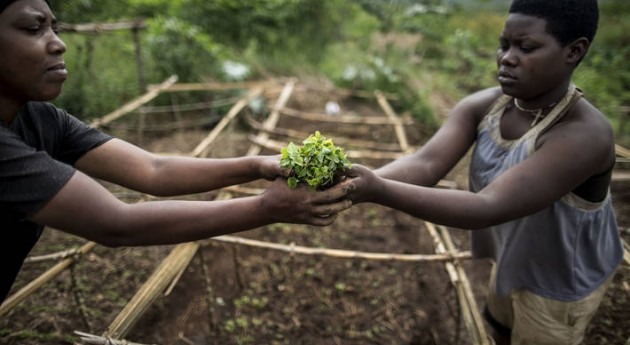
x=85, y=11
x=102, y=73
x=178, y=47
x=299, y=28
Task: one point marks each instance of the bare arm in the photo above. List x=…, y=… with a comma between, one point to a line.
x=560, y=164
x=450, y=143
x=85, y=208
x=125, y=164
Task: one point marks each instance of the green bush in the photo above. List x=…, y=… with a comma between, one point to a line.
x=176, y=47
x=102, y=74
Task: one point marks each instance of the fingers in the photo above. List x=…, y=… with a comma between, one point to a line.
x=330, y=195
x=323, y=221
x=303, y=205
x=356, y=170
x=270, y=167
x=333, y=208
x=324, y=215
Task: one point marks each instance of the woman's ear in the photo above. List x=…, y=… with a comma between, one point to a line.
x=577, y=49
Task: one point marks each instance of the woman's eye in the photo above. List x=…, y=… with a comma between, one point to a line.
x=527, y=49
x=40, y=28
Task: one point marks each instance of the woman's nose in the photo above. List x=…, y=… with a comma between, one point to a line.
x=56, y=45
x=507, y=57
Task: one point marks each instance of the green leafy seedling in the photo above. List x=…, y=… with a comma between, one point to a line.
x=315, y=162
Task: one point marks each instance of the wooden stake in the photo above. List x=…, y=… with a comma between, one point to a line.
x=242, y=103
x=178, y=259
x=96, y=340
x=273, y=118
x=49, y=275
x=339, y=253
x=398, y=127
x=457, y=275
x=346, y=119
x=133, y=105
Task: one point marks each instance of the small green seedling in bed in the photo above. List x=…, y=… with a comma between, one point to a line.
x=315, y=162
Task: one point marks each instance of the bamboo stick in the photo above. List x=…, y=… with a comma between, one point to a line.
x=622, y=151
x=181, y=87
x=50, y=257
x=97, y=28
x=626, y=252
x=470, y=298
x=398, y=127
x=133, y=105
x=458, y=277
x=96, y=340
x=351, y=93
x=340, y=253
x=455, y=280
x=277, y=146
x=346, y=119
x=155, y=109
x=242, y=103
x=244, y=190
x=178, y=259
x=31, y=287
x=299, y=136
x=178, y=124
x=273, y=118
x=173, y=283
x=621, y=175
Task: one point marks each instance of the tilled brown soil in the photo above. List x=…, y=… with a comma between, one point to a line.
x=234, y=294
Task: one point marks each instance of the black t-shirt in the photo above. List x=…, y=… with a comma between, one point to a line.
x=37, y=153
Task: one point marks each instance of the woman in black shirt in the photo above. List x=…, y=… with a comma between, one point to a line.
x=49, y=161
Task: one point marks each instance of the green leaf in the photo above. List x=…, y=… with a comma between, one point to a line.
x=292, y=182
x=315, y=162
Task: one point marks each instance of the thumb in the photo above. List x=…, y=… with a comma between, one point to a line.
x=355, y=171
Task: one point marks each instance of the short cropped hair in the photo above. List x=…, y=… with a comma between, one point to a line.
x=567, y=20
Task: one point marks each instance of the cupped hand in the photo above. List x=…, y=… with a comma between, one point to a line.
x=361, y=183
x=302, y=205
x=269, y=167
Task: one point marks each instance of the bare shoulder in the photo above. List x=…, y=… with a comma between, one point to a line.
x=588, y=130
x=478, y=102
x=588, y=121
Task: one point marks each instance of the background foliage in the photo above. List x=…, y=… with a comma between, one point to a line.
x=411, y=47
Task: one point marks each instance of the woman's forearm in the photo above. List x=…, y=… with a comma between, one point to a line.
x=173, y=221
x=183, y=175
x=456, y=208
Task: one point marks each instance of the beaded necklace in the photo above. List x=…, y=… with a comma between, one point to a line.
x=537, y=113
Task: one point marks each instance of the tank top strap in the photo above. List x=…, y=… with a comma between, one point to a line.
x=494, y=112
x=562, y=108
x=497, y=107
x=491, y=121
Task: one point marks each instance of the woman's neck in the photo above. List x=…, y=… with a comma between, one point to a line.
x=548, y=98
x=9, y=110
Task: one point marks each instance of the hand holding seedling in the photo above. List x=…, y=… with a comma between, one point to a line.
x=269, y=167
x=302, y=205
x=315, y=163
